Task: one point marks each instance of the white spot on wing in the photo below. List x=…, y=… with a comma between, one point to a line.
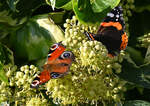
x=35, y=83
x=110, y=14
x=117, y=16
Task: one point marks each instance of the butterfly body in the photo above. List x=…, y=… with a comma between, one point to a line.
x=57, y=65
x=112, y=32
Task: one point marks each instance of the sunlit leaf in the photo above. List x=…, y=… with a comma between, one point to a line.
x=67, y=6
x=84, y=10
x=100, y=5
x=32, y=41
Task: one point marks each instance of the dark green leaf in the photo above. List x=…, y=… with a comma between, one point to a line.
x=100, y=5
x=31, y=42
x=6, y=55
x=60, y=3
x=139, y=75
x=2, y=74
x=135, y=55
x=84, y=11
x=27, y=8
x=140, y=6
x=136, y=103
x=67, y=6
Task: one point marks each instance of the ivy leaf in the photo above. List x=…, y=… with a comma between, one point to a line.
x=141, y=6
x=95, y=10
x=138, y=75
x=60, y=3
x=33, y=39
x=100, y=5
x=136, y=103
x=67, y=6
x=135, y=55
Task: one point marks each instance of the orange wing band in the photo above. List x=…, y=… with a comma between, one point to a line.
x=114, y=24
x=124, y=41
x=57, y=53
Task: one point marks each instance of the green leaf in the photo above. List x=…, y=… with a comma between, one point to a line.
x=67, y=6
x=33, y=39
x=2, y=74
x=141, y=6
x=60, y=3
x=138, y=75
x=84, y=11
x=135, y=55
x=136, y=103
x=27, y=8
x=100, y=5
x=6, y=55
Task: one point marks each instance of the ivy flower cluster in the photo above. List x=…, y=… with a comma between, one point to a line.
x=36, y=101
x=18, y=89
x=145, y=40
x=91, y=77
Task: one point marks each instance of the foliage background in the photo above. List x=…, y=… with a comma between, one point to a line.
x=28, y=29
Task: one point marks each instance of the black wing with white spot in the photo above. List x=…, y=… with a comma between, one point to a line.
x=116, y=15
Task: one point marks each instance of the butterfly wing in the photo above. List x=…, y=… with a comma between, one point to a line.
x=111, y=32
x=55, y=67
x=55, y=51
x=62, y=65
x=43, y=77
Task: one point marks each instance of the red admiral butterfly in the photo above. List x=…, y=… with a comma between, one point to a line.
x=58, y=64
x=112, y=32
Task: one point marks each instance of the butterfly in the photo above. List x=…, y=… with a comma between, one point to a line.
x=57, y=65
x=111, y=32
